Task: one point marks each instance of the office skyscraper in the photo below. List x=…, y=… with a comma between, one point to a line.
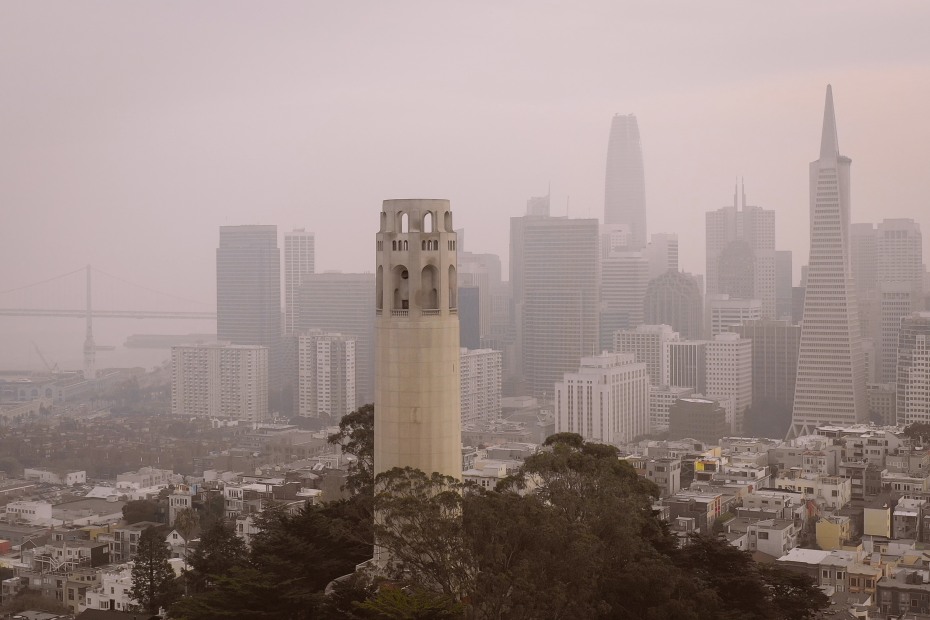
x=625, y=187
x=784, y=280
x=741, y=253
x=248, y=286
x=299, y=253
x=675, y=299
x=774, y=372
x=556, y=295
x=341, y=303
x=480, y=372
x=831, y=367
x=616, y=387
x=900, y=283
x=649, y=344
x=624, y=278
x=417, y=389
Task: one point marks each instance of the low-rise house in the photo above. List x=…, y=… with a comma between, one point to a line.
x=906, y=520
x=830, y=492
x=834, y=532
x=48, y=476
x=905, y=592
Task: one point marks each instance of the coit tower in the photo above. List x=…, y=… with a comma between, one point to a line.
x=417, y=406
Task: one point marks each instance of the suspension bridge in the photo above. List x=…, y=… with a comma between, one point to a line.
x=59, y=297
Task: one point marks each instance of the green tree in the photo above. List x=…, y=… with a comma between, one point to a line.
x=140, y=510
x=218, y=552
x=186, y=522
x=411, y=604
x=153, y=580
x=357, y=436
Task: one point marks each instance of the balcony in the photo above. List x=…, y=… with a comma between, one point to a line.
x=430, y=312
x=400, y=312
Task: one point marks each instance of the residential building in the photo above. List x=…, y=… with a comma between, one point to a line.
x=831, y=367
x=606, y=400
x=480, y=386
x=299, y=261
x=220, y=381
x=340, y=303
x=913, y=370
x=326, y=374
x=49, y=476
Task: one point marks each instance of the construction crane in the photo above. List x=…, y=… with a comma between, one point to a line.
x=52, y=368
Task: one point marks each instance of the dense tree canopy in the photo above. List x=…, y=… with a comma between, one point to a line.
x=572, y=535
x=154, y=584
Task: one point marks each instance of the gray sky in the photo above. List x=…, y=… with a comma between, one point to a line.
x=130, y=131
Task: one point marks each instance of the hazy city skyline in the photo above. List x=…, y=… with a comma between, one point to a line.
x=133, y=132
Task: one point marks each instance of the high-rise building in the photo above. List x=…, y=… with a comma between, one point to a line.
x=248, y=286
x=341, y=303
x=831, y=367
x=220, y=381
x=729, y=376
x=482, y=271
x=724, y=313
x=741, y=253
x=775, y=346
x=556, y=295
x=625, y=186
x=662, y=254
x=784, y=280
x=326, y=374
x=299, y=261
x=469, y=301
x=606, y=400
x=661, y=398
x=675, y=299
x=900, y=283
x=913, y=376
x=863, y=259
x=624, y=278
x=697, y=418
x=417, y=392
x=480, y=387
x=648, y=344
x=686, y=364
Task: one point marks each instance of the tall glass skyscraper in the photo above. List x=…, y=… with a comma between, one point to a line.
x=625, y=186
x=830, y=385
x=248, y=286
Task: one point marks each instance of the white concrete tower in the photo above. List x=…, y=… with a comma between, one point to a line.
x=417, y=397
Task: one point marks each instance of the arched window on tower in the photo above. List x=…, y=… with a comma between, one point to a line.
x=404, y=223
x=429, y=285
x=400, y=279
x=453, y=288
x=447, y=221
x=428, y=222
x=379, y=286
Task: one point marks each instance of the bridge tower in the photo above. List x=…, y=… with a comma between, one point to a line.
x=417, y=400
x=90, y=348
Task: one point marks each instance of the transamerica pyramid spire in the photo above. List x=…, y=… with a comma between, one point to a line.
x=829, y=145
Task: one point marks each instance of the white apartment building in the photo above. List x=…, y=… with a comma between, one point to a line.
x=660, y=399
x=729, y=375
x=326, y=374
x=299, y=261
x=648, y=344
x=913, y=370
x=724, y=313
x=47, y=476
x=220, y=381
x=37, y=513
x=480, y=386
x=606, y=401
